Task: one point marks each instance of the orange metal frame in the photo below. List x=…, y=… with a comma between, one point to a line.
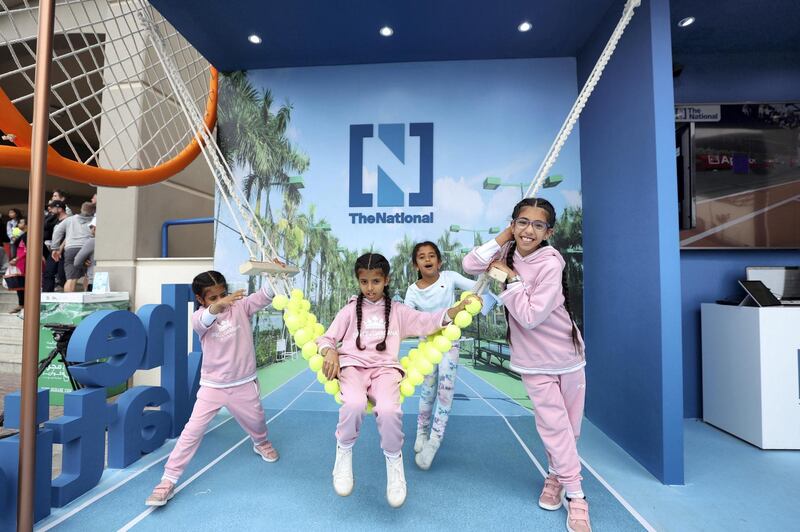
x=19, y=156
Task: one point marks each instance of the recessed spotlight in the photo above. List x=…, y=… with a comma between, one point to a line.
x=255, y=39
x=688, y=21
x=525, y=26
x=386, y=31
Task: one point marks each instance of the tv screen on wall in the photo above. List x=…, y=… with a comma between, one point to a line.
x=743, y=188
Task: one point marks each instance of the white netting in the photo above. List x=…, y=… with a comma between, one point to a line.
x=254, y=236
x=112, y=105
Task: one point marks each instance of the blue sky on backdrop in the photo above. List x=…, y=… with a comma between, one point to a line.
x=491, y=118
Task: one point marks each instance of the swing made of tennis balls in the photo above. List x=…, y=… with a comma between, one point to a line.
x=424, y=358
x=305, y=329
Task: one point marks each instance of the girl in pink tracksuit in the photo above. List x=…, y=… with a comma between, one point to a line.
x=546, y=347
x=370, y=328
x=227, y=376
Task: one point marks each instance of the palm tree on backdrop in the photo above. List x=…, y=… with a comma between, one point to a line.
x=451, y=257
x=291, y=228
x=253, y=137
x=403, y=271
x=568, y=240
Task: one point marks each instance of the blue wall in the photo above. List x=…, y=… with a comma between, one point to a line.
x=741, y=77
x=631, y=254
x=711, y=275
x=708, y=276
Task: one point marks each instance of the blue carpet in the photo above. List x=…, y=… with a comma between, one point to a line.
x=481, y=479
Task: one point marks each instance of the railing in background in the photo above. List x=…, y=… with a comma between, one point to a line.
x=181, y=221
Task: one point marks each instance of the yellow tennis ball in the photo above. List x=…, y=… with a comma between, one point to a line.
x=412, y=354
x=465, y=294
x=369, y=407
x=406, y=388
x=424, y=366
x=415, y=377
x=306, y=305
x=430, y=352
x=473, y=307
x=338, y=398
x=463, y=319
x=435, y=357
x=293, y=321
x=402, y=398
x=405, y=361
x=321, y=377
x=332, y=387
x=279, y=302
x=309, y=350
x=297, y=294
x=442, y=344
x=302, y=336
x=295, y=305
x=452, y=332
x=315, y=362
x=311, y=319
x=319, y=329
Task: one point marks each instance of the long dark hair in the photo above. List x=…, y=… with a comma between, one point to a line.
x=373, y=261
x=420, y=246
x=551, y=221
x=207, y=280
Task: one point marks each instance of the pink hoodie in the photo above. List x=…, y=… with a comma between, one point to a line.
x=403, y=322
x=229, y=358
x=541, y=329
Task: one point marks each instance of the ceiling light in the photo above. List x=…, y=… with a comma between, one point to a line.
x=688, y=21
x=525, y=26
x=386, y=31
x=255, y=39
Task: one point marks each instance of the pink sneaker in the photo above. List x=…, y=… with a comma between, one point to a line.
x=161, y=493
x=550, y=499
x=578, y=515
x=266, y=451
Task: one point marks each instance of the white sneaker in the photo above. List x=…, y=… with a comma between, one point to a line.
x=395, y=481
x=422, y=437
x=343, y=472
x=425, y=457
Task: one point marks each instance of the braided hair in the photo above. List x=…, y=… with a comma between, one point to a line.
x=207, y=280
x=373, y=261
x=551, y=221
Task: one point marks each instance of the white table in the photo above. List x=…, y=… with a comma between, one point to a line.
x=751, y=373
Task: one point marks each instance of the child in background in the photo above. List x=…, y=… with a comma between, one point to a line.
x=435, y=290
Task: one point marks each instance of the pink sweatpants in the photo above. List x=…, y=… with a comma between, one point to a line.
x=244, y=404
x=558, y=407
x=382, y=387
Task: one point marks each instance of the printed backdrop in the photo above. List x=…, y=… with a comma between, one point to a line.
x=342, y=160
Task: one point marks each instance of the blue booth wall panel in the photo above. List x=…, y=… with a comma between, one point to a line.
x=631, y=254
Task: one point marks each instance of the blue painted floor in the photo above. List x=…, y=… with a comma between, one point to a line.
x=483, y=475
x=486, y=477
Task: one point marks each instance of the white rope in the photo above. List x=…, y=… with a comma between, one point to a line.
x=572, y=118
x=219, y=167
x=583, y=97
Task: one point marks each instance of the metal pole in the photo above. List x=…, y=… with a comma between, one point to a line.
x=33, y=268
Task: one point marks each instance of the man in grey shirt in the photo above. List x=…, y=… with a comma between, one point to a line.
x=74, y=232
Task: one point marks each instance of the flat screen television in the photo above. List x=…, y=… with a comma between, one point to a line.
x=739, y=175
